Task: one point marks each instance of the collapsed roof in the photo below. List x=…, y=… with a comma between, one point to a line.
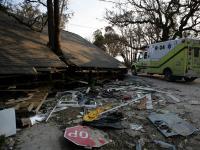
x=23, y=51
x=82, y=53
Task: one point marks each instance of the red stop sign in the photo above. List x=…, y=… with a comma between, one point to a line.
x=86, y=136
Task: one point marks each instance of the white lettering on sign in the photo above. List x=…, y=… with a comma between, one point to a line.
x=81, y=134
x=71, y=134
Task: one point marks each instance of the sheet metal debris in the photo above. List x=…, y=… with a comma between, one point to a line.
x=86, y=136
x=170, y=124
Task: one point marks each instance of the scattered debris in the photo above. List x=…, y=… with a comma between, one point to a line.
x=165, y=145
x=149, y=104
x=173, y=97
x=37, y=118
x=94, y=114
x=33, y=102
x=170, y=124
x=136, y=127
x=70, y=99
x=86, y=136
x=118, y=105
x=112, y=120
x=142, y=104
x=7, y=122
x=122, y=105
x=193, y=102
x=138, y=146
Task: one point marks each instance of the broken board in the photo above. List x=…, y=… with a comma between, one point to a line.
x=32, y=103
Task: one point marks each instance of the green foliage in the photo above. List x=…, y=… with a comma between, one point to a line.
x=99, y=39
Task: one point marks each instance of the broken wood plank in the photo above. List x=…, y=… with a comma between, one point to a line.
x=39, y=106
x=13, y=101
x=30, y=107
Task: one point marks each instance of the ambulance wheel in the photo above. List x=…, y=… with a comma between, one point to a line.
x=168, y=75
x=187, y=79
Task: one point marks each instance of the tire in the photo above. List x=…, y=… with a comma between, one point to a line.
x=168, y=75
x=187, y=79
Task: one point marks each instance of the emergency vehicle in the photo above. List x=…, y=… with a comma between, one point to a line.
x=175, y=59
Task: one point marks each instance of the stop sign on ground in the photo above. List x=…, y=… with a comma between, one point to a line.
x=86, y=136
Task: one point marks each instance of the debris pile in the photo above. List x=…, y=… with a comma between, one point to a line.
x=123, y=109
x=119, y=114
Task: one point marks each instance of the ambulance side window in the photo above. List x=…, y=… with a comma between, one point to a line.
x=140, y=56
x=145, y=55
x=196, y=52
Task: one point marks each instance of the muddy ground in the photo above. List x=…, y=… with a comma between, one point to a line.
x=49, y=136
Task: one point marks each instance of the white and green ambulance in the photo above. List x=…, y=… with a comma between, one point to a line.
x=175, y=59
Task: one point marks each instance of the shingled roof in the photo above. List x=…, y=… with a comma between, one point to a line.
x=82, y=53
x=23, y=51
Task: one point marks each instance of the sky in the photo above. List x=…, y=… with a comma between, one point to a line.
x=88, y=17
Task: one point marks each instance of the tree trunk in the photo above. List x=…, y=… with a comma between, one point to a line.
x=50, y=24
x=57, y=28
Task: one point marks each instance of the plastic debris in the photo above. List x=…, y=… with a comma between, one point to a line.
x=86, y=136
x=136, y=127
x=37, y=118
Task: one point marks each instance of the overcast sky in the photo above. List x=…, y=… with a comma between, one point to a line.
x=88, y=16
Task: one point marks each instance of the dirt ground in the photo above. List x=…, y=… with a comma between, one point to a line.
x=49, y=136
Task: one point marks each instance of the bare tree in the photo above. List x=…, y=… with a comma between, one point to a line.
x=163, y=19
x=57, y=17
x=27, y=14
x=50, y=24
x=57, y=27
